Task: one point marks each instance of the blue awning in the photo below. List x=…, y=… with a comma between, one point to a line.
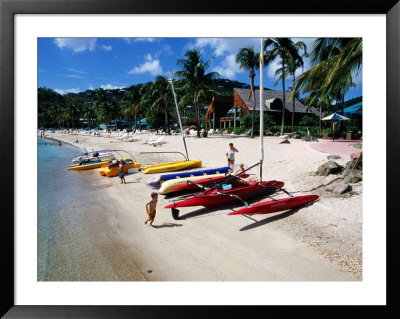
x=353, y=110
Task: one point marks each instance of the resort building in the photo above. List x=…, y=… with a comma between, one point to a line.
x=228, y=111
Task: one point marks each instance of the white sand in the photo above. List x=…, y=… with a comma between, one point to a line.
x=320, y=242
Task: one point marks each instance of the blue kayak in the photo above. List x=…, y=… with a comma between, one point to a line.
x=156, y=181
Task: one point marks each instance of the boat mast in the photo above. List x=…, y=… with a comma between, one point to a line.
x=261, y=107
x=179, y=116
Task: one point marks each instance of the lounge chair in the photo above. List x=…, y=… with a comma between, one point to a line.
x=158, y=141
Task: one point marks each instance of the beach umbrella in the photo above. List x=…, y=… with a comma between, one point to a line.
x=334, y=118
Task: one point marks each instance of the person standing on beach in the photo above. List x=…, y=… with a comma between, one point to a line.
x=151, y=208
x=230, y=154
x=121, y=171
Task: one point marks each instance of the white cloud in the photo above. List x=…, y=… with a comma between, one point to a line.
x=223, y=46
x=106, y=47
x=132, y=40
x=65, y=91
x=228, y=67
x=74, y=76
x=76, y=71
x=150, y=66
x=109, y=86
x=272, y=67
x=76, y=44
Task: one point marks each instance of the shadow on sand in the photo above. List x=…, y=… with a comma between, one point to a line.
x=167, y=225
x=268, y=219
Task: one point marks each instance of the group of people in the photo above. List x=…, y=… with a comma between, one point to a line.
x=230, y=156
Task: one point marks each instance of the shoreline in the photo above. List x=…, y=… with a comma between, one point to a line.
x=322, y=241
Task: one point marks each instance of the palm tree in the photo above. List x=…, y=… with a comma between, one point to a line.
x=340, y=59
x=294, y=63
x=130, y=102
x=145, y=101
x=106, y=107
x=195, y=78
x=285, y=49
x=314, y=98
x=162, y=96
x=248, y=59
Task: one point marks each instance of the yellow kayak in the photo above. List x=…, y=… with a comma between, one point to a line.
x=171, y=166
x=87, y=165
x=167, y=186
x=111, y=170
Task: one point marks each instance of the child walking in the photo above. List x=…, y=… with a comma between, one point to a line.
x=151, y=208
x=121, y=171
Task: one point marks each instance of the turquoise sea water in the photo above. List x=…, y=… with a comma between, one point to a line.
x=76, y=237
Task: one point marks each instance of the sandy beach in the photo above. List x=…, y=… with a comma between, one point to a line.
x=319, y=242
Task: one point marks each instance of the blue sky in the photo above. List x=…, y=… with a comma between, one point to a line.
x=77, y=64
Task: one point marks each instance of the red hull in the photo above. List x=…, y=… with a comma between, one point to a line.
x=276, y=205
x=252, y=189
x=204, y=181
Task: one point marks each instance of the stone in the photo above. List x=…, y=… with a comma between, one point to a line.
x=296, y=135
x=309, y=138
x=354, y=176
x=330, y=167
x=285, y=142
x=333, y=156
x=345, y=189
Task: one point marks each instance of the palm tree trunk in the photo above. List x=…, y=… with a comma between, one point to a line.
x=196, y=107
x=166, y=119
x=294, y=106
x=283, y=102
x=254, y=106
x=320, y=119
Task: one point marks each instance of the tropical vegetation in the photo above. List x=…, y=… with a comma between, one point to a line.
x=335, y=63
x=194, y=82
x=248, y=59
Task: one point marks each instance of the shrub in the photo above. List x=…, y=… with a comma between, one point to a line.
x=239, y=130
x=309, y=120
x=246, y=122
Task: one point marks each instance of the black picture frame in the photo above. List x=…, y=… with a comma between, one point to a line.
x=10, y=8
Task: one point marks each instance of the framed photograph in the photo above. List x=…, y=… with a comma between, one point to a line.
x=132, y=36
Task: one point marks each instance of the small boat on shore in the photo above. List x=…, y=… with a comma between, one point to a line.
x=112, y=169
x=277, y=205
x=102, y=155
x=225, y=195
x=171, y=166
x=157, y=181
x=168, y=186
x=204, y=182
x=89, y=164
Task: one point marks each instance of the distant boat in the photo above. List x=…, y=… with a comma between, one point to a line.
x=102, y=155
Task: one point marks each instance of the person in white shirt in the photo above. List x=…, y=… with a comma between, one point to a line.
x=230, y=154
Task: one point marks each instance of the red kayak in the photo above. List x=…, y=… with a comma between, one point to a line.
x=207, y=181
x=278, y=205
x=218, y=196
